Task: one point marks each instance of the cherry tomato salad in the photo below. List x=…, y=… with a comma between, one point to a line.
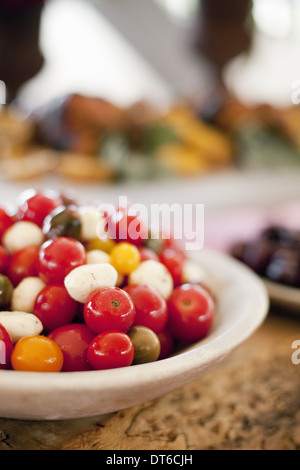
x=74, y=297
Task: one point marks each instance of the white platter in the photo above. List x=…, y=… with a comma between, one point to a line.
x=243, y=304
x=284, y=296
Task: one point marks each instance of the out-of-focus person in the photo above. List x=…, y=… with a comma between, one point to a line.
x=222, y=32
x=224, y=29
x=20, y=55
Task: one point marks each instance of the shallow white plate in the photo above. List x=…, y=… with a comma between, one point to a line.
x=243, y=304
x=284, y=296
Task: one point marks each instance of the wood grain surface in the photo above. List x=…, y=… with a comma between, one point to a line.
x=250, y=401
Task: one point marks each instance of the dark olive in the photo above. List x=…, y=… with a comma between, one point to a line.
x=276, y=234
x=146, y=344
x=273, y=254
x=6, y=291
x=155, y=243
x=63, y=222
x=258, y=254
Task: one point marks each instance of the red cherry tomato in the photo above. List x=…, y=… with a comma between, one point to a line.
x=74, y=341
x=166, y=343
x=147, y=253
x=34, y=206
x=54, y=307
x=126, y=227
x=171, y=242
x=4, y=260
x=110, y=350
x=109, y=308
x=191, y=312
x=23, y=264
x=173, y=260
x=58, y=257
x=151, y=308
x=6, y=348
x=5, y=221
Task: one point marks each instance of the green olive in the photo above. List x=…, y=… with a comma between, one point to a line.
x=154, y=243
x=146, y=344
x=6, y=291
x=64, y=222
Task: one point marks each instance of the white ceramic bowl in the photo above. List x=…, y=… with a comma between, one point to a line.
x=242, y=307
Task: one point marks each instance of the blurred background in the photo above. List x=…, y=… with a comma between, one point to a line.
x=159, y=100
x=86, y=45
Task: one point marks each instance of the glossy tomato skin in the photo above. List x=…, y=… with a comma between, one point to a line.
x=191, y=313
x=4, y=259
x=54, y=307
x=37, y=354
x=6, y=348
x=23, y=264
x=6, y=221
x=58, y=257
x=151, y=308
x=34, y=206
x=124, y=226
x=171, y=242
x=110, y=350
x=173, y=260
x=146, y=254
x=73, y=340
x=109, y=308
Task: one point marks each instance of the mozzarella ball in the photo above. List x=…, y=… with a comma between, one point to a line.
x=155, y=274
x=22, y=234
x=20, y=324
x=92, y=223
x=84, y=280
x=25, y=294
x=97, y=257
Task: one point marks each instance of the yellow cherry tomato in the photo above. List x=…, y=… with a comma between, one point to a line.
x=125, y=258
x=103, y=245
x=37, y=354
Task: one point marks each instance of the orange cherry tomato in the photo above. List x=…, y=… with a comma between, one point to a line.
x=37, y=354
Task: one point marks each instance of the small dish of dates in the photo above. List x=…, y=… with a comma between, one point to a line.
x=274, y=254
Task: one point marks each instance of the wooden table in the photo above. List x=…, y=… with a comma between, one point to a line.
x=250, y=401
